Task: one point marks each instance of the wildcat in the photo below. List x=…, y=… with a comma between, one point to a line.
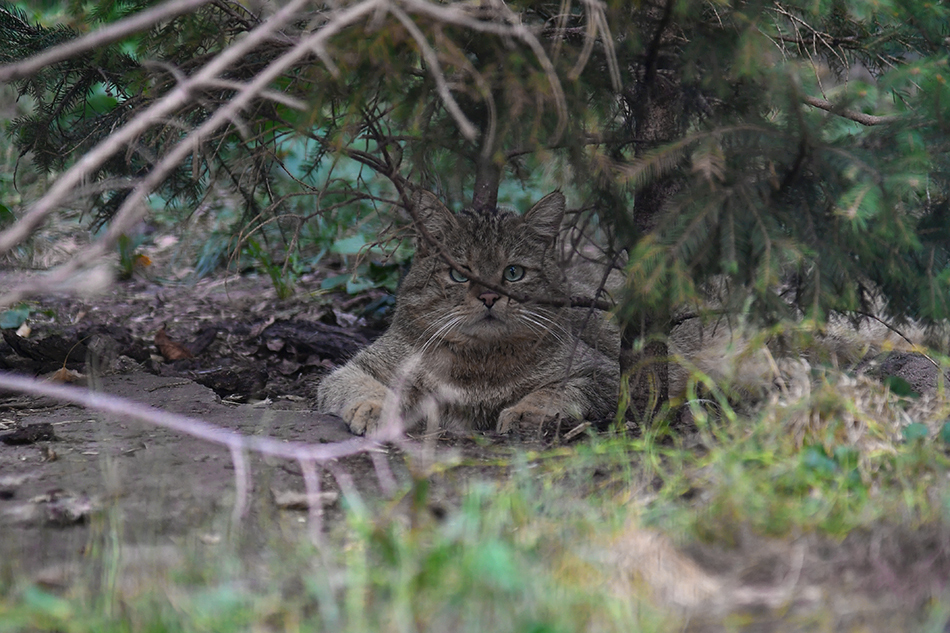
x=461, y=356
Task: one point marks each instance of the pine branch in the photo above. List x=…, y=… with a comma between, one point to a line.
x=97, y=39
x=857, y=117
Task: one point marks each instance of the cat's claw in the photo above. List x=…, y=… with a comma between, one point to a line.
x=363, y=416
x=504, y=422
x=525, y=414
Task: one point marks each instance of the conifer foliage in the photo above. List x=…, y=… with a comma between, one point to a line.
x=791, y=156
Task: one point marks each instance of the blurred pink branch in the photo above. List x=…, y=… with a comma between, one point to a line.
x=309, y=456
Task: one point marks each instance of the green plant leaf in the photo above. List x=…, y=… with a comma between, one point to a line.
x=6, y=216
x=14, y=317
x=900, y=387
x=945, y=432
x=334, y=282
x=915, y=431
x=814, y=459
x=352, y=245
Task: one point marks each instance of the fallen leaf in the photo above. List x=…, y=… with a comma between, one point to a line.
x=65, y=375
x=170, y=350
x=258, y=329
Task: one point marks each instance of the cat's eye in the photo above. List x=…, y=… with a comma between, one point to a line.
x=457, y=276
x=514, y=273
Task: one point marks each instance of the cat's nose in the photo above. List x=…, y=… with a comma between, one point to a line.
x=489, y=298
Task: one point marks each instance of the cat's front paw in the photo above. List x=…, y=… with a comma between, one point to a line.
x=538, y=408
x=526, y=413
x=362, y=416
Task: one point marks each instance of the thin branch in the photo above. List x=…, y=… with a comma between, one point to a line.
x=455, y=15
x=311, y=482
x=128, y=409
x=857, y=117
x=590, y=37
x=900, y=334
x=241, y=485
x=596, y=22
x=132, y=208
x=460, y=59
x=610, y=51
x=653, y=51
x=468, y=129
x=816, y=37
x=66, y=184
x=273, y=95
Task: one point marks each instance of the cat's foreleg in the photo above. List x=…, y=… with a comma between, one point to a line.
x=357, y=397
x=543, y=405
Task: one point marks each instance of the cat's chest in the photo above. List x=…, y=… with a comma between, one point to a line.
x=500, y=368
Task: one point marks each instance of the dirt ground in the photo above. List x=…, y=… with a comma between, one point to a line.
x=256, y=361
x=165, y=484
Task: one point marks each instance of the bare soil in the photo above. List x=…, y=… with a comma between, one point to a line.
x=256, y=362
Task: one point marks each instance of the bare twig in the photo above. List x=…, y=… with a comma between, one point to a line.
x=469, y=131
x=241, y=485
x=597, y=22
x=857, y=117
x=66, y=184
x=653, y=51
x=460, y=59
x=273, y=95
x=129, y=409
x=455, y=15
x=311, y=482
x=132, y=209
x=590, y=37
x=900, y=334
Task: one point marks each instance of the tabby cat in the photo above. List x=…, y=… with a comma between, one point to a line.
x=461, y=356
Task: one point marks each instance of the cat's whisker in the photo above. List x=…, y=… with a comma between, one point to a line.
x=435, y=336
x=545, y=323
x=541, y=328
x=439, y=322
x=540, y=331
x=439, y=335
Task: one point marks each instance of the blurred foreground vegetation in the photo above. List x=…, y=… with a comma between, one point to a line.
x=578, y=537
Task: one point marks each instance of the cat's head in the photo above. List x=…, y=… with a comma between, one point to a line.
x=495, y=252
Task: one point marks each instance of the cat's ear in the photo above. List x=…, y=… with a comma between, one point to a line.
x=436, y=218
x=545, y=216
